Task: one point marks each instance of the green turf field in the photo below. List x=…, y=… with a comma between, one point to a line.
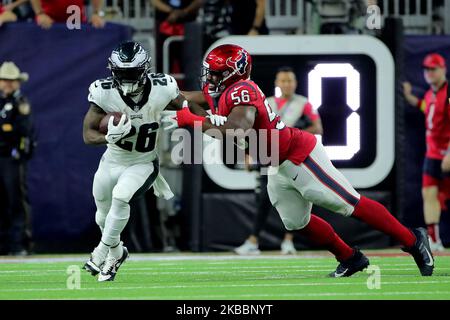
x=223, y=276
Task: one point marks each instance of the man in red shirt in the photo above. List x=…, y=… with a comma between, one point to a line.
x=436, y=167
x=50, y=11
x=305, y=175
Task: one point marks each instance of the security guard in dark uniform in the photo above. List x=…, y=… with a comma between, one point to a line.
x=16, y=142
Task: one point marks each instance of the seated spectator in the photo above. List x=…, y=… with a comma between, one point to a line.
x=51, y=11
x=6, y=15
x=10, y=12
x=170, y=16
x=248, y=17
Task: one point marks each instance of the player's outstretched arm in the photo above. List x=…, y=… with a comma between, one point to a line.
x=91, y=122
x=241, y=117
x=194, y=106
x=196, y=97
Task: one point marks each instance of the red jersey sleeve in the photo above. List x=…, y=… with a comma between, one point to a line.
x=310, y=112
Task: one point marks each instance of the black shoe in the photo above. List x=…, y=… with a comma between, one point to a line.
x=357, y=262
x=421, y=252
x=111, y=266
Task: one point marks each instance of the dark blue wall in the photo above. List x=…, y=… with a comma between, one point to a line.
x=61, y=64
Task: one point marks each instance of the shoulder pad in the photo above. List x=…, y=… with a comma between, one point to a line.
x=241, y=93
x=166, y=84
x=98, y=90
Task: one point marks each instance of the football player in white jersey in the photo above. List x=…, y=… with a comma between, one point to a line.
x=129, y=166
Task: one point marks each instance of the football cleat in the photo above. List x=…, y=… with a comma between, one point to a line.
x=91, y=267
x=421, y=252
x=247, y=248
x=357, y=262
x=287, y=247
x=111, y=266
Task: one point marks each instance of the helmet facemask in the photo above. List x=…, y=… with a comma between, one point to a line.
x=214, y=80
x=129, y=64
x=130, y=81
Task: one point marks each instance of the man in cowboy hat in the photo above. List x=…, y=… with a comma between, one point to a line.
x=16, y=133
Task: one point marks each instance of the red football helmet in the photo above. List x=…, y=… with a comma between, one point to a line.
x=225, y=65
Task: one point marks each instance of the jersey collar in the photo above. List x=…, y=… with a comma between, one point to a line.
x=130, y=103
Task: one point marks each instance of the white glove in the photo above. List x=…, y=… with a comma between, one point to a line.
x=115, y=133
x=168, y=118
x=217, y=120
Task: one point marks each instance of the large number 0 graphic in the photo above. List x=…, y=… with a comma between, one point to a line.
x=145, y=141
x=342, y=70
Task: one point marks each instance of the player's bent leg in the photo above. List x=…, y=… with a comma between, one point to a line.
x=102, y=187
x=102, y=191
x=133, y=182
x=322, y=233
x=317, y=173
x=115, y=222
x=293, y=209
x=295, y=212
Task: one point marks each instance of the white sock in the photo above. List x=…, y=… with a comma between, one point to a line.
x=115, y=222
x=116, y=251
x=100, y=253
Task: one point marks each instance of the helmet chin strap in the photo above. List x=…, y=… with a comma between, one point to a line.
x=128, y=88
x=132, y=88
x=216, y=92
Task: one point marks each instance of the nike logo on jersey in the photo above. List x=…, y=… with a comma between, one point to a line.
x=294, y=178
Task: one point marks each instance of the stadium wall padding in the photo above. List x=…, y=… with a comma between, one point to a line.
x=61, y=64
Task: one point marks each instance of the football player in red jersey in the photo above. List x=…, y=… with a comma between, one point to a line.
x=436, y=166
x=305, y=175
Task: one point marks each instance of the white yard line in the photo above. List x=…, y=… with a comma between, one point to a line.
x=164, y=258
x=301, y=284
x=144, y=271
x=390, y=266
